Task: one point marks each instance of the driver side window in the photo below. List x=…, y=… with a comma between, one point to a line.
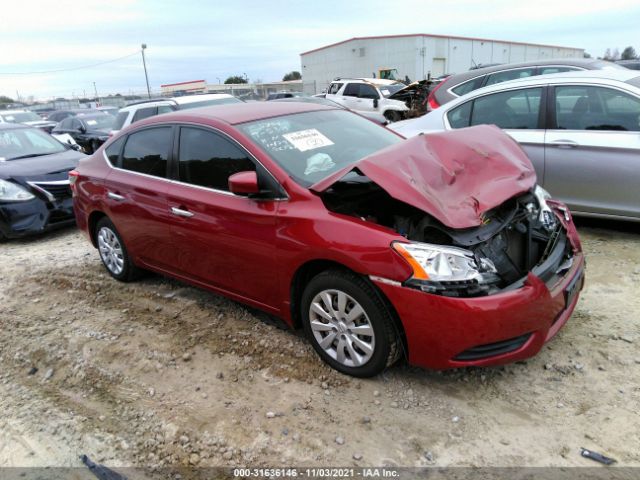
x=367, y=91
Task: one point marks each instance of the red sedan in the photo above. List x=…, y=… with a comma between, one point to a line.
x=440, y=248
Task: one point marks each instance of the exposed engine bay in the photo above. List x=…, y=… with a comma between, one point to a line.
x=516, y=237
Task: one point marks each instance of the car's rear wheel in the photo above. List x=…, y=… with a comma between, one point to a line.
x=113, y=252
x=348, y=324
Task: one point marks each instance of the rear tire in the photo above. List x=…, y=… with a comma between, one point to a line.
x=348, y=324
x=113, y=252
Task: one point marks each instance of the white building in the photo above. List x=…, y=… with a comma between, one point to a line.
x=416, y=56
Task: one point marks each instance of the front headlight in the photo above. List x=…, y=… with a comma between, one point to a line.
x=546, y=215
x=10, y=192
x=437, y=263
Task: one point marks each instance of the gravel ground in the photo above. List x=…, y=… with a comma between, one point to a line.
x=157, y=373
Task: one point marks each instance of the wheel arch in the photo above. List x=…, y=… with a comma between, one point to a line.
x=93, y=220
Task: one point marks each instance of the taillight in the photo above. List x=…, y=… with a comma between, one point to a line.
x=433, y=103
x=73, y=178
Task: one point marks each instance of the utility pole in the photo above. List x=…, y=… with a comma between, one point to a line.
x=144, y=64
x=95, y=89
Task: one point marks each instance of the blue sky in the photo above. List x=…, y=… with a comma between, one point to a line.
x=214, y=39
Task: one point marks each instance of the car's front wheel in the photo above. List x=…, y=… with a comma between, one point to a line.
x=393, y=116
x=348, y=324
x=113, y=252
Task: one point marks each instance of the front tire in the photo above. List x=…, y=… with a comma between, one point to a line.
x=392, y=116
x=348, y=324
x=113, y=252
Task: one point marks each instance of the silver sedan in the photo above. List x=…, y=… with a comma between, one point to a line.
x=581, y=131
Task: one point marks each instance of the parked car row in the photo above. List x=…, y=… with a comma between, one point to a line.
x=434, y=239
x=580, y=130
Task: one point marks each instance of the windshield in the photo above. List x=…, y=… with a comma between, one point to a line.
x=311, y=146
x=207, y=103
x=388, y=90
x=19, y=117
x=27, y=142
x=102, y=121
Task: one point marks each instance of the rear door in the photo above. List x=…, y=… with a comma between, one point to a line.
x=519, y=112
x=593, y=149
x=136, y=192
x=222, y=240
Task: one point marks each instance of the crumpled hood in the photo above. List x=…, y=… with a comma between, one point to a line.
x=454, y=176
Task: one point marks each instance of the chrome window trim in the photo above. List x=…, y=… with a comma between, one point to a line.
x=473, y=99
x=574, y=68
x=178, y=182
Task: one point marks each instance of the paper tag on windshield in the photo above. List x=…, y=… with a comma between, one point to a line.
x=91, y=122
x=307, y=139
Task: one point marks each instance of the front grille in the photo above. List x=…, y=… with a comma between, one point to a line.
x=54, y=190
x=492, y=349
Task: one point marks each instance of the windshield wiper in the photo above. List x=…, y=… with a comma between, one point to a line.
x=28, y=156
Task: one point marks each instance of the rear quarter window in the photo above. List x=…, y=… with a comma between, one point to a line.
x=468, y=86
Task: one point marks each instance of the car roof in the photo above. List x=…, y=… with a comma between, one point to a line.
x=597, y=76
x=588, y=63
x=13, y=126
x=237, y=113
x=199, y=98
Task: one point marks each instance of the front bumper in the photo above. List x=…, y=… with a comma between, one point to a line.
x=445, y=332
x=19, y=219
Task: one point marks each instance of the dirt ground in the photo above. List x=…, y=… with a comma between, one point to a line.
x=157, y=373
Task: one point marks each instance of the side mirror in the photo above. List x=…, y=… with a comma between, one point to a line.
x=244, y=183
x=82, y=129
x=375, y=103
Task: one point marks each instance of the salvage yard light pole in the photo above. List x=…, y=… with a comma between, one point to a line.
x=144, y=64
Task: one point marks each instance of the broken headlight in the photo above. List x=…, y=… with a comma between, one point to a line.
x=436, y=263
x=545, y=215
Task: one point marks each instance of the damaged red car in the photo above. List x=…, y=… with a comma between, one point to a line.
x=440, y=248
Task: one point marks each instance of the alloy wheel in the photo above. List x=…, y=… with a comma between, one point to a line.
x=110, y=250
x=342, y=328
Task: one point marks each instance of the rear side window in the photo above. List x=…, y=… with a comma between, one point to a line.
x=113, y=151
x=143, y=113
x=500, y=77
x=208, y=159
x=468, y=86
x=514, y=109
x=120, y=119
x=352, y=90
x=333, y=89
x=147, y=151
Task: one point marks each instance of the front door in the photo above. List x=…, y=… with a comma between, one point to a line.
x=593, y=150
x=222, y=240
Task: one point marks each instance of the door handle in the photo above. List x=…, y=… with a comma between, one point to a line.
x=565, y=144
x=181, y=213
x=115, y=196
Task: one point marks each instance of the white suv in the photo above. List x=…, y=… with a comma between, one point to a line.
x=368, y=95
x=150, y=108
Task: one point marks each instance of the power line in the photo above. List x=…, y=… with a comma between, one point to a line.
x=71, y=69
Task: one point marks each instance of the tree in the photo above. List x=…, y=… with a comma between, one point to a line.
x=292, y=76
x=629, y=53
x=4, y=99
x=235, y=79
x=587, y=55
